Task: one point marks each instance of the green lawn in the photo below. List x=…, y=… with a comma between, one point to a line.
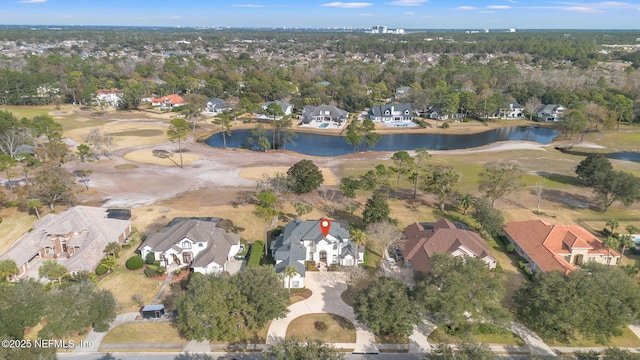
x=125, y=283
x=338, y=329
x=27, y=111
x=627, y=339
x=625, y=139
x=148, y=332
x=497, y=335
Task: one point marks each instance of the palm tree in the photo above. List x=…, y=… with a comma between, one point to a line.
x=359, y=238
x=465, y=201
x=113, y=249
x=224, y=120
x=288, y=273
x=8, y=269
x=611, y=242
x=109, y=262
x=52, y=270
x=626, y=241
x=632, y=229
x=613, y=224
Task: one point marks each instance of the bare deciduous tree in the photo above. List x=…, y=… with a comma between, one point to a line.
x=531, y=105
x=352, y=274
x=538, y=188
x=10, y=141
x=381, y=235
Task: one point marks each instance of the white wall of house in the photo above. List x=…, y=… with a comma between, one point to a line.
x=330, y=245
x=296, y=282
x=211, y=268
x=187, y=245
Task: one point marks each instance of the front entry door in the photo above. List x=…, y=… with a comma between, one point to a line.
x=323, y=256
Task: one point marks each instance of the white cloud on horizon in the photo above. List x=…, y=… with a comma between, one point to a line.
x=248, y=5
x=581, y=9
x=612, y=4
x=408, y=2
x=33, y=1
x=466, y=8
x=501, y=7
x=352, y=5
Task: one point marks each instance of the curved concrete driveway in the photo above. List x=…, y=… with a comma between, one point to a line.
x=326, y=288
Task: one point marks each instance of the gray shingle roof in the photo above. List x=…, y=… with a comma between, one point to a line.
x=289, y=247
x=283, y=104
x=217, y=249
x=94, y=231
x=308, y=112
x=218, y=241
x=379, y=110
x=195, y=230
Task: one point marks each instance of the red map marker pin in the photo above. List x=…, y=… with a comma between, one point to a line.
x=325, y=225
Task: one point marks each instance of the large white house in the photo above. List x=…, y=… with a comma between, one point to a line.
x=111, y=97
x=287, y=110
x=552, y=112
x=199, y=244
x=303, y=241
x=391, y=113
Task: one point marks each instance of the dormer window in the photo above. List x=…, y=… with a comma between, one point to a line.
x=387, y=112
x=406, y=112
x=186, y=244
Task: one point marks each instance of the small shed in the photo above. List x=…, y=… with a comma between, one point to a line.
x=153, y=311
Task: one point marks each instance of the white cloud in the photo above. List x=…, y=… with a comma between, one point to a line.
x=502, y=7
x=465, y=8
x=33, y=1
x=408, y=2
x=352, y=5
x=247, y=5
x=582, y=9
x=612, y=4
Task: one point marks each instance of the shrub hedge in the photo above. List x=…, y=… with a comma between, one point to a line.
x=101, y=269
x=135, y=262
x=257, y=249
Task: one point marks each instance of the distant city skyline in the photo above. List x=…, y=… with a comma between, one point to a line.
x=405, y=14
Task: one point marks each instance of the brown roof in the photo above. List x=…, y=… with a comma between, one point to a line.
x=89, y=230
x=173, y=99
x=546, y=244
x=422, y=243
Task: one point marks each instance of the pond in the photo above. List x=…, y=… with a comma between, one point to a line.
x=329, y=145
x=626, y=156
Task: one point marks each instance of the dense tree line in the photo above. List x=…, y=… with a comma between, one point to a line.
x=65, y=310
x=31, y=158
x=595, y=303
x=553, y=66
x=457, y=293
x=223, y=307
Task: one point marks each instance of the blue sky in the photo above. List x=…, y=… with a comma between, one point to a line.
x=407, y=14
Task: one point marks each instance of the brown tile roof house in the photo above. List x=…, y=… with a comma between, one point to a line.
x=424, y=241
x=76, y=238
x=550, y=247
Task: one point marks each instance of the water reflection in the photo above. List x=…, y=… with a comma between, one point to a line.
x=328, y=145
